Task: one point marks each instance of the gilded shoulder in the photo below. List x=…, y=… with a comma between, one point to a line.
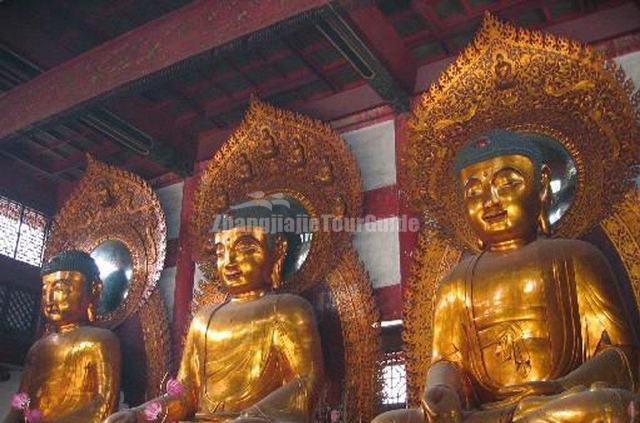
x=591, y=268
x=293, y=309
x=575, y=249
x=98, y=341
x=453, y=282
x=202, y=316
x=100, y=335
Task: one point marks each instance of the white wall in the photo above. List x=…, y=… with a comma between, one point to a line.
x=375, y=151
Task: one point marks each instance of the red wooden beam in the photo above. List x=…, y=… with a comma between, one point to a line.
x=382, y=38
x=271, y=87
x=185, y=267
x=166, y=41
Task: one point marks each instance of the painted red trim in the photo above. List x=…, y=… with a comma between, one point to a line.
x=389, y=300
x=185, y=267
x=355, y=100
x=620, y=46
x=171, y=258
x=363, y=119
x=191, y=30
x=381, y=202
x=165, y=180
x=385, y=41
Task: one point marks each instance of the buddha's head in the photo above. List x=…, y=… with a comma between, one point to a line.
x=505, y=187
x=70, y=288
x=249, y=257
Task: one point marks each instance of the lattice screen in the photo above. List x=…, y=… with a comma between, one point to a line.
x=10, y=212
x=22, y=232
x=19, y=310
x=19, y=317
x=32, y=235
x=394, y=376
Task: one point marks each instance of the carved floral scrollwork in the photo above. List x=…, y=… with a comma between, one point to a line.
x=280, y=151
x=532, y=82
x=623, y=230
x=433, y=258
x=349, y=285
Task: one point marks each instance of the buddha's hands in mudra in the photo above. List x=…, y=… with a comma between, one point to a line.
x=124, y=416
x=131, y=416
x=516, y=393
x=441, y=403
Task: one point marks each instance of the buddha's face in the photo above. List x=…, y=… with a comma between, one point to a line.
x=64, y=299
x=502, y=198
x=243, y=259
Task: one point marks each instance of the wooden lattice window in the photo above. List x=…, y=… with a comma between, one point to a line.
x=394, y=379
x=22, y=232
x=19, y=310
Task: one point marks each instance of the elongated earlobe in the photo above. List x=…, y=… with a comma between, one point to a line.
x=91, y=313
x=480, y=244
x=545, y=201
x=280, y=254
x=94, y=297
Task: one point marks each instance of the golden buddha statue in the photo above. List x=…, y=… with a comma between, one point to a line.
x=72, y=374
x=254, y=358
x=532, y=329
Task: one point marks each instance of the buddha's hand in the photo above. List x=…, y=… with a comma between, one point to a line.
x=441, y=403
x=124, y=416
x=533, y=388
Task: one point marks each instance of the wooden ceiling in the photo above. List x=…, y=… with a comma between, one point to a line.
x=342, y=58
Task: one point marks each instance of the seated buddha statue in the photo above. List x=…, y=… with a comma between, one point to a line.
x=532, y=329
x=254, y=358
x=72, y=374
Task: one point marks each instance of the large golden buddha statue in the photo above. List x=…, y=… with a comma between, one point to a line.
x=257, y=356
x=72, y=374
x=507, y=316
x=532, y=328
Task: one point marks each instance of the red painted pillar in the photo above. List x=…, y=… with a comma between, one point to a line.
x=185, y=267
x=408, y=238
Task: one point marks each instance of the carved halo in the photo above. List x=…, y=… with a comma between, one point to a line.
x=531, y=82
x=112, y=204
x=545, y=85
x=349, y=284
x=277, y=151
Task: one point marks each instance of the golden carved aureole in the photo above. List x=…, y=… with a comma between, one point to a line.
x=533, y=83
x=310, y=162
x=349, y=284
x=305, y=159
x=623, y=230
x=112, y=204
x=526, y=81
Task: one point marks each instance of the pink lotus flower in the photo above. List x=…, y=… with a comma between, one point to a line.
x=33, y=416
x=174, y=388
x=152, y=411
x=20, y=401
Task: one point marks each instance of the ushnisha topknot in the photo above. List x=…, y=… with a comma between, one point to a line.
x=500, y=142
x=73, y=260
